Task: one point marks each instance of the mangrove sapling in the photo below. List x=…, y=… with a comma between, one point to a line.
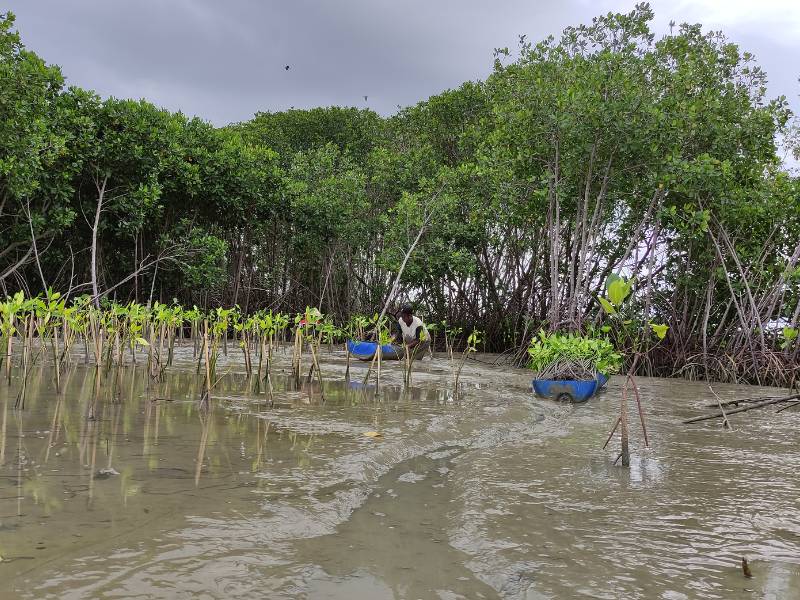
x=27, y=329
x=622, y=421
x=383, y=337
x=31, y=309
x=161, y=316
x=262, y=351
x=69, y=329
x=193, y=317
x=243, y=328
x=117, y=351
x=267, y=325
x=79, y=323
x=314, y=346
x=353, y=329
x=409, y=356
x=136, y=317
x=111, y=331
x=11, y=310
x=297, y=350
x=176, y=322
x=203, y=341
x=205, y=394
x=471, y=347
x=218, y=332
x=313, y=331
x=53, y=308
x=41, y=325
x=329, y=333
x=618, y=290
x=450, y=336
x=433, y=328
x=96, y=333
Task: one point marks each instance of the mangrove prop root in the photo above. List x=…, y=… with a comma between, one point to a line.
x=610, y=435
x=639, y=408
x=623, y=429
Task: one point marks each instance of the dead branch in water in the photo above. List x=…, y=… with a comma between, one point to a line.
x=743, y=401
x=725, y=423
x=754, y=406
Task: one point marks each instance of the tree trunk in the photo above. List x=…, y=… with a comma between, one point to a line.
x=101, y=192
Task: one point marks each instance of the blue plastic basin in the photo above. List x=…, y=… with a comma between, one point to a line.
x=573, y=391
x=366, y=350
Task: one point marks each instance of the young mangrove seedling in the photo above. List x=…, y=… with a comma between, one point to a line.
x=618, y=289
x=471, y=347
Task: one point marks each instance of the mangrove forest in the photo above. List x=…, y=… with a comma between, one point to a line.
x=510, y=205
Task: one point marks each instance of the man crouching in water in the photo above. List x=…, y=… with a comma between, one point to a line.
x=413, y=332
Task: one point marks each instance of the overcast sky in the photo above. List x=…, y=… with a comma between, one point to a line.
x=224, y=60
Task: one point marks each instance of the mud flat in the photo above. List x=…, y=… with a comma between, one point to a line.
x=123, y=488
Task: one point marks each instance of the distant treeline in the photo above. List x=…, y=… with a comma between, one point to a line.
x=604, y=151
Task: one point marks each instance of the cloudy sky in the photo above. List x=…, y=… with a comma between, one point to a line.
x=225, y=60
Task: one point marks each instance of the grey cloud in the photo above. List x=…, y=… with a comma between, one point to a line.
x=223, y=61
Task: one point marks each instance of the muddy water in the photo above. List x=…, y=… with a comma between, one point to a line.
x=120, y=488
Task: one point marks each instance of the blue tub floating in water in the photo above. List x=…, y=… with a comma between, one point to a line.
x=366, y=350
x=572, y=391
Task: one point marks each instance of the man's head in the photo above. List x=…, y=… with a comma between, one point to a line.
x=407, y=314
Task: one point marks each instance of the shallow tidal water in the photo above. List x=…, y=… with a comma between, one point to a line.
x=120, y=487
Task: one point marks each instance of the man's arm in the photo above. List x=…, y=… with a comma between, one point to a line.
x=416, y=340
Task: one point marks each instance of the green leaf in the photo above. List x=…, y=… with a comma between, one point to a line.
x=142, y=342
x=660, y=330
x=619, y=290
x=607, y=306
x=611, y=279
x=789, y=333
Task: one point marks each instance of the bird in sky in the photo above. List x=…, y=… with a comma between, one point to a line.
x=286, y=67
x=365, y=98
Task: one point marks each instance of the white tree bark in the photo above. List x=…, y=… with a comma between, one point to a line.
x=101, y=192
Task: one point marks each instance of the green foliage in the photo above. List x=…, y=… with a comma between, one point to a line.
x=205, y=264
x=582, y=155
x=473, y=341
x=351, y=130
x=659, y=330
x=618, y=289
x=547, y=349
x=789, y=336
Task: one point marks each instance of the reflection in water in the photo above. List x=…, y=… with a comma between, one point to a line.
x=120, y=486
